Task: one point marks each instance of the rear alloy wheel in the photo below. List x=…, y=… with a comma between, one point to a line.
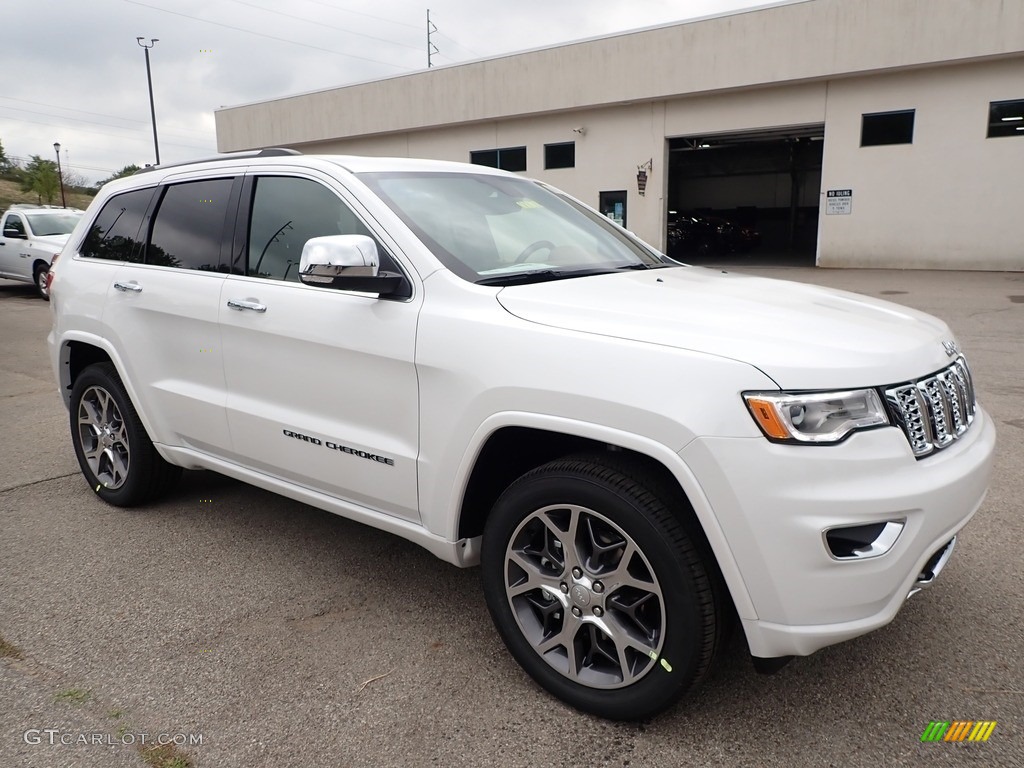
x=115, y=453
x=597, y=590
x=39, y=279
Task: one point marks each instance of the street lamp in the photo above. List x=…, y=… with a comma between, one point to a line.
x=60, y=174
x=149, y=79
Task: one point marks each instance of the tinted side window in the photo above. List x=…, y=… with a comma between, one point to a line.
x=115, y=232
x=189, y=226
x=286, y=212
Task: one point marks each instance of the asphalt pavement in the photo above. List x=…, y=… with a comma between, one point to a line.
x=256, y=631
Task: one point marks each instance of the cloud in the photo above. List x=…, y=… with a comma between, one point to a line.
x=80, y=77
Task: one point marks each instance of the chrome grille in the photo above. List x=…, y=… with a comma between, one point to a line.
x=933, y=412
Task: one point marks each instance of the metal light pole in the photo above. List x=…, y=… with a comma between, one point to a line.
x=60, y=174
x=149, y=79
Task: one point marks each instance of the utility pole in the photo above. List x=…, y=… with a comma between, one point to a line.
x=149, y=79
x=431, y=48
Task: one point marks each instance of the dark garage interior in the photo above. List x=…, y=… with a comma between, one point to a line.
x=746, y=195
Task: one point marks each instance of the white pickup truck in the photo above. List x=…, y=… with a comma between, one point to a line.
x=30, y=236
x=637, y=453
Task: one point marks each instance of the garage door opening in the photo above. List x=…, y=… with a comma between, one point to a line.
x=746, y=195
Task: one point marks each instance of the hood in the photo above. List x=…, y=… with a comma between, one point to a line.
x=57, y=241
x=802, y=336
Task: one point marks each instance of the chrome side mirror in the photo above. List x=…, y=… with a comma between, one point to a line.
x=346, y=262
x=325, y=258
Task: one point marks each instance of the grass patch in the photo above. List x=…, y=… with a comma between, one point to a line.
x=116, y=713
x=9, y=650
x=165, y=756
x=73, y=696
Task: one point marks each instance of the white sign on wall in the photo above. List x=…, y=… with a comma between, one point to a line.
x=839, y=202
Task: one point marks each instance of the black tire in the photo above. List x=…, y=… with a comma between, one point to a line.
x=115, y=453
x=39, y=280
x=662, y=630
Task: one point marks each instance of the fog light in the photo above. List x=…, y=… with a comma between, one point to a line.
x=858, y=542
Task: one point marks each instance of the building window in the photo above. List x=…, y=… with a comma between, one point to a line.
x=887, y=128
x=613, y=205
x=560, y=155
x=1006, y=118
x=507, y=159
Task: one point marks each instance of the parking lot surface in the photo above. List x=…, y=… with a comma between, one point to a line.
x=256, y=631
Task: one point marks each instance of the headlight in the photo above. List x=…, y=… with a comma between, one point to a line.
x=816, y=417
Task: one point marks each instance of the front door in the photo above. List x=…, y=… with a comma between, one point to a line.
x=321, y=383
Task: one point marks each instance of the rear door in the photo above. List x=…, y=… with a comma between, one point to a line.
x=162, y=313
x=321, y=383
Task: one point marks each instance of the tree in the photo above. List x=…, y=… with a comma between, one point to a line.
x=40, y=177
x=6, y=166
x=128, y=170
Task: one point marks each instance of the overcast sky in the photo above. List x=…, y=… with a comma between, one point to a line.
x=75, y=74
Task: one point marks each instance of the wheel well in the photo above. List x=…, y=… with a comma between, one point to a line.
x=81, y=356
x=513, y=451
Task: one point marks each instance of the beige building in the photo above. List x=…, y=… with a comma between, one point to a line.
x=859, y=133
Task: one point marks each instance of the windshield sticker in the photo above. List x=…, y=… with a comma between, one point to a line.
x=527, y=204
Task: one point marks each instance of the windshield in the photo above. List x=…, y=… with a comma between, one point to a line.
x=497, y=230
x=56, y=223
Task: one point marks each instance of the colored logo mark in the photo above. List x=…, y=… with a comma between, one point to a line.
x=959, y=730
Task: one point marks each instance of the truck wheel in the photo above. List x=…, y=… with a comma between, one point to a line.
x=39, y=279
x=597, y=589
x=115, y=453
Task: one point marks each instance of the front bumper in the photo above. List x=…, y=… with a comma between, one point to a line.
x=773, y=502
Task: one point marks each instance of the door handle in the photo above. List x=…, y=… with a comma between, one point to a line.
x=132, y=286
x=241, y=304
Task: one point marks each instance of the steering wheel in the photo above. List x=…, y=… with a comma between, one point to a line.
x=529, y=250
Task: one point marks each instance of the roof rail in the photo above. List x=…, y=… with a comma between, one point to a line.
x=268, y=152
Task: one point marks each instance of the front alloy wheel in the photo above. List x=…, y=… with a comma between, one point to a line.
x=585, y=596
x=601, y=587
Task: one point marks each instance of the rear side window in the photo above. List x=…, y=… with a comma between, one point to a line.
x=188, y=228
x=114, y=234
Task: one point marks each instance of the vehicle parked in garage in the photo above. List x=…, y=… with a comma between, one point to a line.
x=636, y=452
x=697, y=234
x=30, y=236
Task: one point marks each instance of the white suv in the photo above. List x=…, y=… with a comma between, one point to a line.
x=30, y=236
x=635, y=451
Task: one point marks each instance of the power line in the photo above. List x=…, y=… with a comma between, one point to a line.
x=327, y=26
x=261, y=34
x=67, y=117
x=78, y=120
x=116, y=136
x=25, y=160
x=460, y=45
x=69, y=109
x=367, y=15
x=96, y=114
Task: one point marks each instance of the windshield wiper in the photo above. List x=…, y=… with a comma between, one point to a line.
x=540, y=276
